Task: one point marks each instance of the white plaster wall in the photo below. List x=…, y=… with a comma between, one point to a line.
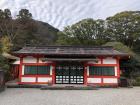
x=93, y=80
x=44, y=79
x=109, y=60
x=51, y=69
x=28, y=79
x=115, y=71
x=22, y=69
x=29, y=59
x=87, y=70
x=93, y=62
x=110, y=80
x=40, y=61
x=16, y=62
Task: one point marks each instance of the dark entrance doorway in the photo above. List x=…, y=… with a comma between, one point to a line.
x=69, y=73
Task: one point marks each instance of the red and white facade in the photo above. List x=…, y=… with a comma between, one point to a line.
x=104, y=80
x=43, y=79
x=88, y=79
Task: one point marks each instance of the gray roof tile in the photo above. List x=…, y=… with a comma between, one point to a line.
x=70, y=50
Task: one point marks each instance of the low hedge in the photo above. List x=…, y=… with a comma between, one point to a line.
x=137, y=81
x=136, y=84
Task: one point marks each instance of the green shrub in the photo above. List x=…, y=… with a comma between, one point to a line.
x=4, y=65
x=138, y=79
x=136, y=84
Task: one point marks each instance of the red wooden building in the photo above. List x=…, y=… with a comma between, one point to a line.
x=69, y=65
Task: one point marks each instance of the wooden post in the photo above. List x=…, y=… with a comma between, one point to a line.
x=20, y=68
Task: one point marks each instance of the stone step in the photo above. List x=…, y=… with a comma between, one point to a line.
x=69, y=88
x=56, y=87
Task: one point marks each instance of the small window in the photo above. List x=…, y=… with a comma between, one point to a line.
x=101, y=71
x=43, y=70
x=30, y=70
x=37, y=70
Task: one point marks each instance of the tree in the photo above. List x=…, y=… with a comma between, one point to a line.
x=120, y=47
x=4, y=48
x=7, y=14
x=24, y=14
x=5, y=44
x=7, y=25
x=128, y=66
x=85, y=32
x=124, y=27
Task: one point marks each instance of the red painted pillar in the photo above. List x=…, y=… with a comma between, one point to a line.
x=85, y=74
x=37, y=59
x=20, y=68
x=101, y=59
x=53, y=73
x=118, y=67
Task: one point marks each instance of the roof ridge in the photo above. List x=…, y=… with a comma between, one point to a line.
x=73, y=46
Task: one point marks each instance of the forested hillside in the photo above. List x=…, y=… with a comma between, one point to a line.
x=123, y=27
x=25, y=30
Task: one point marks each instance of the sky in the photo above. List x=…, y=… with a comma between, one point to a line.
x=61, y=13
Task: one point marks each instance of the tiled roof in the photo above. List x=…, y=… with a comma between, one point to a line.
x=70, y=50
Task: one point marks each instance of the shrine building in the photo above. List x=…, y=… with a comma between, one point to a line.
x=97, y=65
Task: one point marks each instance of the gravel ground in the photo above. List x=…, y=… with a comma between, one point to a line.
x=103, y=96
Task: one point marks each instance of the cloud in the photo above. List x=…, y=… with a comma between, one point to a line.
x=61, y=13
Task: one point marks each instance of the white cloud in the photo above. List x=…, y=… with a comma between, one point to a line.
x=60, y=13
